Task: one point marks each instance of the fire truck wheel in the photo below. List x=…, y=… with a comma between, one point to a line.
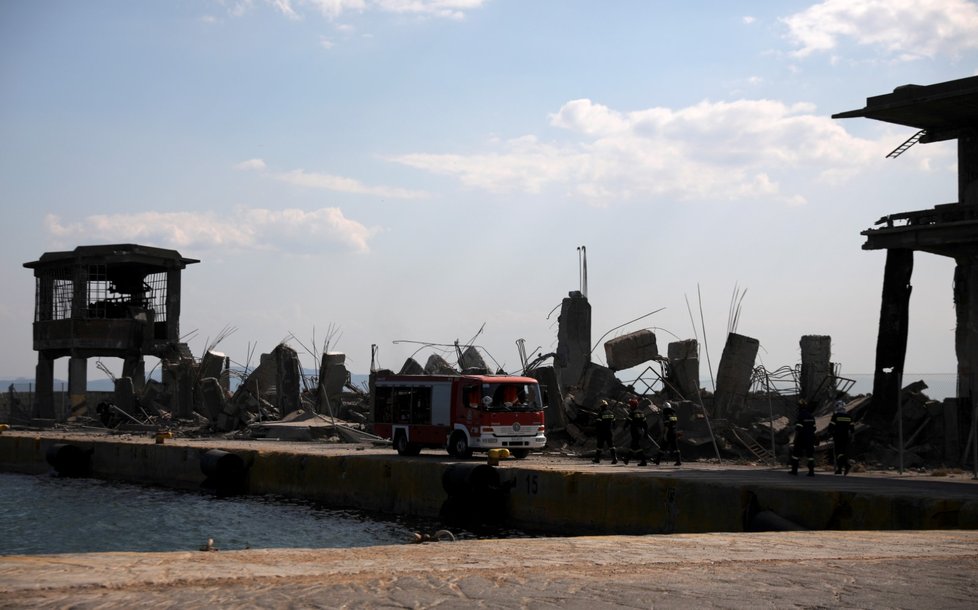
x=520, y=453
x=403, y=447
x=458, y=446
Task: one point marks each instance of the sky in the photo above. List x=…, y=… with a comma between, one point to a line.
x=399, y=172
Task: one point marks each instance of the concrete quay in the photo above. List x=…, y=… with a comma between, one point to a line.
x=547, y=494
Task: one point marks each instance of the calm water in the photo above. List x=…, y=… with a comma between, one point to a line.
x=46, y=514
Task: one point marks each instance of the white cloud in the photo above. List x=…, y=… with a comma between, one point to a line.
x=748, y=20
x=334, y=9
x=251, y=165
x=903, y=29
x=450, y=9
x=341, y=184
x=289, y=230
x=326, y=43
x=712, y=150
x=237, y=8
x=285, y=7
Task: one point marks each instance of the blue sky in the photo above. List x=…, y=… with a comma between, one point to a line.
x=414, y=169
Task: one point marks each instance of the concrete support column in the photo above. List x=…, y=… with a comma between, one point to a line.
x=77, y=386
x=966, y=332
x=734, y=374
x=44, y=387
x=891, y=342
x=79, y=293
x=684, y=369
x=968, y=166
x=288, y=379
x=816, y=368
x=172, y=305
x=134, y=367
x=573, y=339
x=184, y=392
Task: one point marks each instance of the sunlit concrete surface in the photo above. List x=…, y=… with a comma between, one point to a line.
x=933, y=569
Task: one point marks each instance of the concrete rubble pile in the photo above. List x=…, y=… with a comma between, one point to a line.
x=749, y=417
x=274, y=400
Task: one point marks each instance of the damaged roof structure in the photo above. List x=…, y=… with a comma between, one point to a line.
x=940, y=112
x=115, y=300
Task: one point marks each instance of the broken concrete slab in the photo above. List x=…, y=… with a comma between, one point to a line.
x=411, y=367
x=683, y=370
x=817, y=382
x=213, y=398
x=436, y=365
x=307, y=426
x=472, y=361
x=734, y=374
x=630, y=350
x=333, y=377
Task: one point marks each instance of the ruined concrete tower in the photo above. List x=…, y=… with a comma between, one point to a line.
x=119, y=301
x=573, y=338
x=943, y=111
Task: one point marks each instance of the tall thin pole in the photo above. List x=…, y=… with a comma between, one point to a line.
x=770, y=408
x=580, y=272
x=900, y=420
x=584, y=252
x=974, y=438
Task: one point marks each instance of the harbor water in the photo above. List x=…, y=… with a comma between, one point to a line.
x=42, y=514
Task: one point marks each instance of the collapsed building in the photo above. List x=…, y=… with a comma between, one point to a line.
x=128, y=311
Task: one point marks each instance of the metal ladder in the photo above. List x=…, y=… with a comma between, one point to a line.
x=899, y=150
x=751, y=444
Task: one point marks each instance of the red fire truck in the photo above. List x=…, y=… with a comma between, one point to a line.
x=461, y=413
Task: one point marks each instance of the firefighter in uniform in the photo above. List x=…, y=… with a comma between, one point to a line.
x=841, y=428
x=638, y=428
x=605, y=424
x=670, y=440
x=804, y=444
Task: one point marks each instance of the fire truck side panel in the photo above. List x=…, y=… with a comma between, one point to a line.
x=441, y=404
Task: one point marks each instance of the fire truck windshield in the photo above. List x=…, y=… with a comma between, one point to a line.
x=511, y=397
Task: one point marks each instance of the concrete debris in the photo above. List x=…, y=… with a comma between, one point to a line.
x=436, y=365
x=472, y=361
x=630, y=350
x=307, y=426
x=734, y=374
x=411, y=367
x=816, y=369
x=573, y=338
x=683, y=369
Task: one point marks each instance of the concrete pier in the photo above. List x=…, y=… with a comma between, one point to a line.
x=548, y=494
x=933, y=569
